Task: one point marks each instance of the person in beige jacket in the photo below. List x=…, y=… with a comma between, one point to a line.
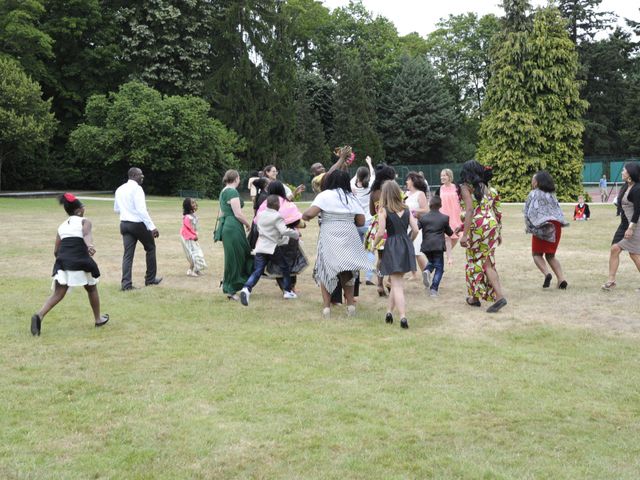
x=272, y=232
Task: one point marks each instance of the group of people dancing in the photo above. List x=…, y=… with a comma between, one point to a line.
x=367, y=224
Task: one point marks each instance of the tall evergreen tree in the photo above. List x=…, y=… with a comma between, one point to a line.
x=354, y=110
x=534, y=109
x=251, y=84
x=607, y=68
x=422, y=116
x=584, y=20
x=309, y=142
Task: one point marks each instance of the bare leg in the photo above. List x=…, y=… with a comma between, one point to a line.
x=94, y=300
x=326, y=297
x=449, y=242
x=554, y=263
x=540, y=263
x=614, y=261
x=421, y=260
x=58, y=294
x=346, y=279
x=397, y=292
x=494, y=279
x=635, y=257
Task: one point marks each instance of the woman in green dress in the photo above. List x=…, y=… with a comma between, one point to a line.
x=238, y=263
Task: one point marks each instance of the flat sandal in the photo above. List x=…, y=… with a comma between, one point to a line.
x=608, y=286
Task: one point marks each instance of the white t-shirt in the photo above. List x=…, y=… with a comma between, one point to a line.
x=363, y=195
x=338, y=201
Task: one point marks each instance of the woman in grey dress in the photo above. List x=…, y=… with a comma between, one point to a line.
x=627, y=237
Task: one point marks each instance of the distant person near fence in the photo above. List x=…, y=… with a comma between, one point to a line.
x=604, y=196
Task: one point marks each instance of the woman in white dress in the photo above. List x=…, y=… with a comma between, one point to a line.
x=418, y=202
x=74, y=266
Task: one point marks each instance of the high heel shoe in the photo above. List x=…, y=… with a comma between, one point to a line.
x=404, y=323
x=388, y=318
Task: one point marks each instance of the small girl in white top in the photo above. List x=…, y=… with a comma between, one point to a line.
x=73, y=266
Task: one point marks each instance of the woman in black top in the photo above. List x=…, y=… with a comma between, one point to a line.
x=627, y=236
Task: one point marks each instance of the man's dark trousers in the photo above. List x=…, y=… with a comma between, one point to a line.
x=132, y=233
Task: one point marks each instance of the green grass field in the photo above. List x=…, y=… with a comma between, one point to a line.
x=183, y=383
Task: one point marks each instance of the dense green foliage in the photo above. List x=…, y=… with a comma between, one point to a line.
x=533, y=107
x=173, y=136
x=421, y=116
x=295, y=79
x=26, y=127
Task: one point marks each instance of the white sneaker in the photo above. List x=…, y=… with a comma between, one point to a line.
x=351, y=310
x=326, y=313
x=433, y=293
x=289, y=295
x=244, y=296
x=191, y=273
x=426, y=278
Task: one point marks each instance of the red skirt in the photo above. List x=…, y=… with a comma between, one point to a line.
x=539, y=246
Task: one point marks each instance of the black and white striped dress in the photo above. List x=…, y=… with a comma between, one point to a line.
x=339, y=245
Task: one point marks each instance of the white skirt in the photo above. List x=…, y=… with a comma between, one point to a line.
x=74, y=278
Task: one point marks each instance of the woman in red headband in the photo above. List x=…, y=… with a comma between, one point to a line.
x=73, y=266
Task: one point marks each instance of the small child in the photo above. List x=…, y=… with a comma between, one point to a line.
x=395, y=220
x=272, y=232
x=434, y=226
x=189, y=238
x=581, y=212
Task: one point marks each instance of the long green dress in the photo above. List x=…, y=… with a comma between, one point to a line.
x=238, y=263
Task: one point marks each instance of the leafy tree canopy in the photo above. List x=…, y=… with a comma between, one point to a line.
x=172, y=137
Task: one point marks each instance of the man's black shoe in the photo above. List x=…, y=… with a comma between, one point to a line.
x=155, y=281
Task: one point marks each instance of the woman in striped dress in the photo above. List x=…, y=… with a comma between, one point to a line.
x=340, y=252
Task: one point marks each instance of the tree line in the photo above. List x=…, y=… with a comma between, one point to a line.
x=188, y=88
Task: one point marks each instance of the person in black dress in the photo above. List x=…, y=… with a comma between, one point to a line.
x=394, y=219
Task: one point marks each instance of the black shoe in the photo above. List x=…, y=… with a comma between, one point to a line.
x=547, y=280
x=473, y=302
x=36, y=323
x=128, y=287
x=388, y=318
x=404, y=323
x=369, y=282
x=103, y=320
x=563, y=285
x=155, y=281
x=497, y=306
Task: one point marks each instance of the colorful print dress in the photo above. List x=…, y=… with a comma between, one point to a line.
x=486, y=226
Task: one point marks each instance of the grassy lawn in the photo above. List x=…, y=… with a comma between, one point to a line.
x=183, y=383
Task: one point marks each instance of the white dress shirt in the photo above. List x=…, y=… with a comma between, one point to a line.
x=131, y=205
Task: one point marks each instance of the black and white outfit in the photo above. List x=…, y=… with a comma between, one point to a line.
x=629, y=210
x=339, y=245
x=135, y=226
x=399, y=254
x=74, y=266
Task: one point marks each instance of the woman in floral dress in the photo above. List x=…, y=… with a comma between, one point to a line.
x=481, y=235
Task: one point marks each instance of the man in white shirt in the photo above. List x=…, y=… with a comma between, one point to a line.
x=136, y=226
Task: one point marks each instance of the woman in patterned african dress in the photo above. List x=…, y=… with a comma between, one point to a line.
x=481, y=235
